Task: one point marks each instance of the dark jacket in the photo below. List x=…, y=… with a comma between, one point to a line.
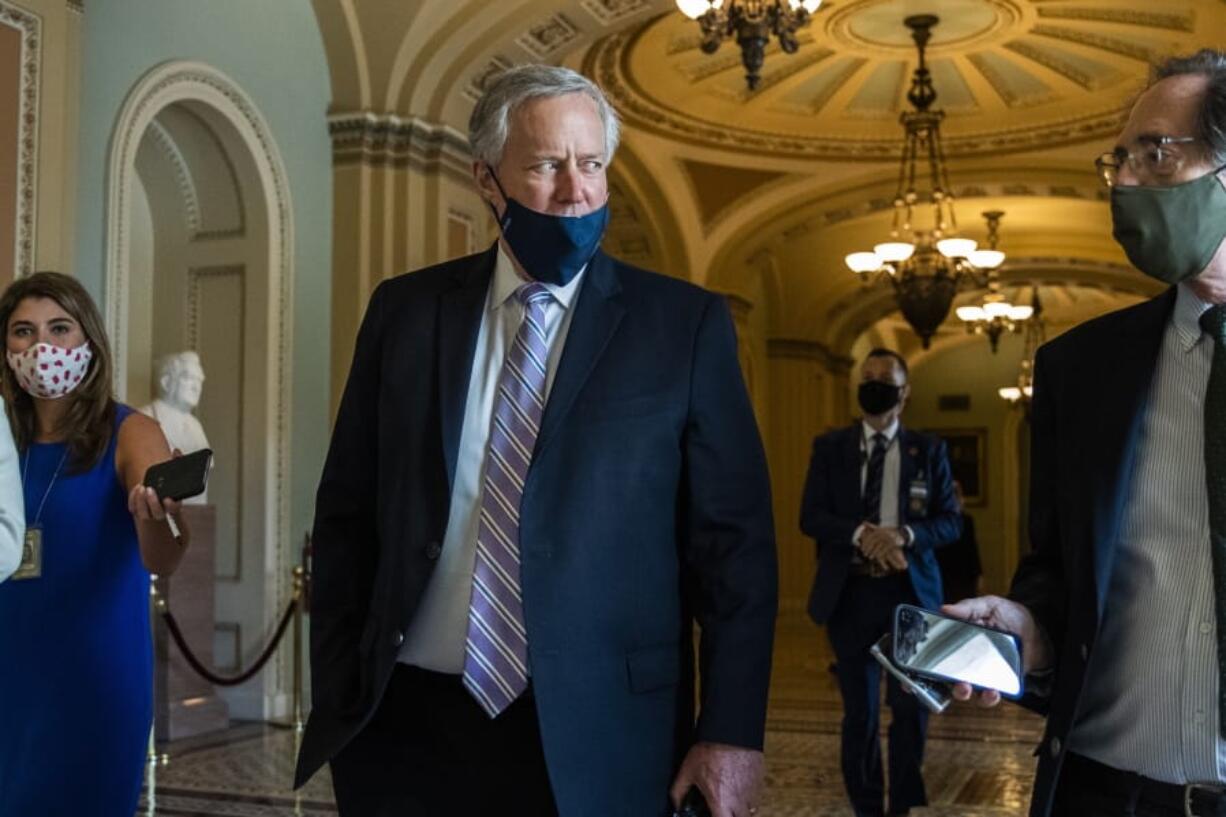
x=1090, y=390
x=647, y=501
x=832, y=509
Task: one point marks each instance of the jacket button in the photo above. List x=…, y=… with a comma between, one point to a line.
x=433, y=551
x=1055, y=747
x=398, y=638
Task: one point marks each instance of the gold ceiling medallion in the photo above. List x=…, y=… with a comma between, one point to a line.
x=925, y=262
x=751, y=22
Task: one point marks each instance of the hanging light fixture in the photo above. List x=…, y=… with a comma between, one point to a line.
x=1035, y=331
x=994, y=315
x=751, y=23
x=925, y=266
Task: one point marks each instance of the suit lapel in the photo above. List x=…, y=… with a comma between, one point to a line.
x=906, y=472
x=459, y=323
x=598, y=312
x=853, y=458
x=1122, y=394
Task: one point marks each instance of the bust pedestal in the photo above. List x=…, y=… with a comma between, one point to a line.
x=184, y=704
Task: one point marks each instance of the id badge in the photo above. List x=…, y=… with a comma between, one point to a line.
x=31, y=566
x=918, y=496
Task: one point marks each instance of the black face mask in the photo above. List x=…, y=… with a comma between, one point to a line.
x=877, y=397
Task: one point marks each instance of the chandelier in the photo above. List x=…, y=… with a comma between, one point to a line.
x=751, y=22
x=1021, y=394
x=994, y=315
x=925, y=265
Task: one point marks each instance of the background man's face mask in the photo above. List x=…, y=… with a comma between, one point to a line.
x=1171, y=233
x=877, y=397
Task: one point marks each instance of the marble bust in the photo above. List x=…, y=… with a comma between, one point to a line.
x=180, y=378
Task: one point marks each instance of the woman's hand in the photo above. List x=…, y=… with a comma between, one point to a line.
x=144, y=505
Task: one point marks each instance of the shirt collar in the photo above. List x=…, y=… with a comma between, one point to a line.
x=1188, y=309
x=889, y=431
x=507, y=280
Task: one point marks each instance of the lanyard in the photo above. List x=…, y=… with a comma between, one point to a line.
x=25, y=470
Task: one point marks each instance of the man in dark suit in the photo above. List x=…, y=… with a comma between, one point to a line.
x=878, y=499
x=545, y=466
x=1121, y=604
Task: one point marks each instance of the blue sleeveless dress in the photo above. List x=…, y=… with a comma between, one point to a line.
x=76, y=660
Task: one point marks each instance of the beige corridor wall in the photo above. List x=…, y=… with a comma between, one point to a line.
x=971, y=369
x=807, y=389
x=403, y=199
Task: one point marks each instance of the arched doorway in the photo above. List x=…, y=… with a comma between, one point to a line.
x=198, y=257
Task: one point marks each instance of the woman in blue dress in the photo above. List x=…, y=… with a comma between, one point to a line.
x=76, y=661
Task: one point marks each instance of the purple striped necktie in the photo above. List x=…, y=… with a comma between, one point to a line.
x=496, y=647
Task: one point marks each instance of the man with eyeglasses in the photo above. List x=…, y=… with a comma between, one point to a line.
x=1121, y=607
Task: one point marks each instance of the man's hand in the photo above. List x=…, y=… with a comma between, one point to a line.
x=1003, y=614
x=877, y=543
x=729, y=777
x=895, y=561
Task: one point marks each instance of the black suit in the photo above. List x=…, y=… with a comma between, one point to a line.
x=647, y=502
x=858, y=609
x=1089, y=405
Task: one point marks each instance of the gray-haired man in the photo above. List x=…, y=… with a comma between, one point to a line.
x=545, y=466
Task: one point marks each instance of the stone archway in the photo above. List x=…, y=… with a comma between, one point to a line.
x=199, y=255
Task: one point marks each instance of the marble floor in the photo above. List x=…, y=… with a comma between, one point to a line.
x=978, y=764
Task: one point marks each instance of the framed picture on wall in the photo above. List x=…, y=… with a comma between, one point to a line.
x=968, y=459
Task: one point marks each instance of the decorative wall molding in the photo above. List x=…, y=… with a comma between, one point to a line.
x=77, y=5
x=608, y=12
x=30, y=26
x=363, y=137
x=549, y=37
x=1095, y=40
x=481, y=80
x=1148, y=19
x=808, y=350
x=196, y=277
x=1064, y=67
x=186, y=81
x=165, y=143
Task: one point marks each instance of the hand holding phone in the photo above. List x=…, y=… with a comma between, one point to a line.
x=182, y=477
x=947, y=649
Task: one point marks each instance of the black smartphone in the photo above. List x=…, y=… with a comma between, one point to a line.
x=181, y=478
x=948, y=649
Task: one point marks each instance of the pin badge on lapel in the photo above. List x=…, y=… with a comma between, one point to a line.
x=918, y=492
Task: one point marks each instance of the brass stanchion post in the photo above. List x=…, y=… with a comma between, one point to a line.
x=299, y=586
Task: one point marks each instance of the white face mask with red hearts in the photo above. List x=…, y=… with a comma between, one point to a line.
x=48, y=371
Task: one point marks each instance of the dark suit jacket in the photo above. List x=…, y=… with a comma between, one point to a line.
x=1090, y=391
x=832, y=509
x=647, y=501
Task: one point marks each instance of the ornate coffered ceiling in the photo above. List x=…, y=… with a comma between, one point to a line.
x=1012, y=75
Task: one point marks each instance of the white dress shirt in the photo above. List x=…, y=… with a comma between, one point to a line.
x=891, y=473
x=1150, y=701
x=435, y=637
x=12, y=503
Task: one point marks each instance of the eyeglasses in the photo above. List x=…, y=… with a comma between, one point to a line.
x=1152, y=158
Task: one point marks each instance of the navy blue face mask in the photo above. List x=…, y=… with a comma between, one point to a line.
x=551, y=249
